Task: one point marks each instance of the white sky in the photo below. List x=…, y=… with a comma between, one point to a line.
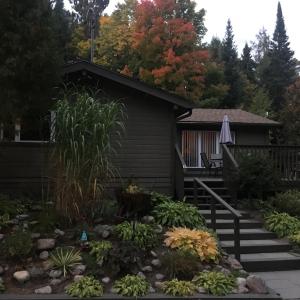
x=247, y=17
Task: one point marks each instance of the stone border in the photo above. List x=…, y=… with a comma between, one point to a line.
x=271, y=296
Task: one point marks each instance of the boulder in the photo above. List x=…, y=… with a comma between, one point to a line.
x=55, y=273
x=77, y=278
x=158, y=228
x=79, y=269
x=151, y=290
x=148, y=219
x=47, y=265
x=100, y=229
x=21, y=276
x=59, y=232
x=55, y=281
x=44, y=255
x=35, y=235
x=159, y=276
x=147, y=269
x=44, y=290
x=256, y=285
x=158, y=284
x=141, y=274
x=234, y=264
x=45, y=244
x=153, y=253
x=36, y=272
x=201, y=290
x=106, y=280
x=156, y=262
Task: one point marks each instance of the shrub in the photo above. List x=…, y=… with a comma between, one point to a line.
x=132, y=286
x=215, y=283
x=2, y=287
x=4, y=220
x=178, y=214
x=100, y=250
x=181, y=264
x=288, y=202
x=10, y=206
x=295, y=238
x=86, y=287
x=143, y=235
x=176, y=287
x=17, y=245
x=157, y=198
x=282, y=224
x=198, y=242
x=65, y=259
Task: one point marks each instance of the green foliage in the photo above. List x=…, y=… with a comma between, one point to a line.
x=288, y=202
x=4, y=220
x=2, y=287
x=65, y=259
x=17, y=245
x=83, y=151
x=132, y=286
x=282, y=224
x=260, y=103
x=158, y=198
x=178, y=214
x=257, y=175
x=142, y=235
x=295, y=238
x=47, y=220
x=86, y=287
x=215, y=283
x=100, y=250
x=177, y=287
x=10, y=206
x=181, y=264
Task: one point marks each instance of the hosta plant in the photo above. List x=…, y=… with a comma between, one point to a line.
x=215, y=283
x=198, y=242
x=65, y=259
x=131, y=286
x=177, y=287
x=178, y=214
x=142, y=235
x=100, y=250
x=295, y=238
x=282, y=224
x=157, y=198
x=86, y=287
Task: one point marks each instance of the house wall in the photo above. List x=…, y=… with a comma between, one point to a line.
x=255, y=135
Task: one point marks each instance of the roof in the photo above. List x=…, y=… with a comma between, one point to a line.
x=134, y=83
x=236, y=116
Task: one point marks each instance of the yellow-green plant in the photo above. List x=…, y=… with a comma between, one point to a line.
x=177, y=287
x=198, y=242
x=215, y=283
x=65, y=259
x=295, y=238
x=132, y=286
x=83, y=151
x=100, y=250
x=86, y=287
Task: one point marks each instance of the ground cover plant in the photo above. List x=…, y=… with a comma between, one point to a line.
x=131, y=286
x=86, y=287
x=287, y=202
x=100, y=250
x=177, y=287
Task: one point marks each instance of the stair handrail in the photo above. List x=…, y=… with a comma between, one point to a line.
x=236, y=214
x=230, y=156
x=178, y=152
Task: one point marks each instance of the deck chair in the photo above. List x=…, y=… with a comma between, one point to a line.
x=209, y=165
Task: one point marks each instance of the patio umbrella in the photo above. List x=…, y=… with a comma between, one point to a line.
x=225, y=135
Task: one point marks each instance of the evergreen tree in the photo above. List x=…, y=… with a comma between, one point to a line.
x=215, y=49
x=231, y=69
x=281, y=72
x=247, y=64
x=261, y=46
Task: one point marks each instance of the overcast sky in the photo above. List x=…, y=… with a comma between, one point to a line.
x=247, y=17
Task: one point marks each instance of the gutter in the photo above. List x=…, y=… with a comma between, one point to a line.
x=185, y=115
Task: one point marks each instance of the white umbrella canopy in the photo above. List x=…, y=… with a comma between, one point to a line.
x=225, y=135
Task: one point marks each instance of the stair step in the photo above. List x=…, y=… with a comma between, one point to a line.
x=246, y=234
x=206, y=206
x=221, y=214
x=244, y=224
x=264, y=262
x=258, y=246
x=206, y=197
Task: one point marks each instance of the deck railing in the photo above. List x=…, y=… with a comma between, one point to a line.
x=180, y=169
x=286, y=159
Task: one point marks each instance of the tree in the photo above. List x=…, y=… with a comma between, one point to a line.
x=247, y=64
x=281, y=72
x=215, y=49
x=261, y=46
x=260, y=103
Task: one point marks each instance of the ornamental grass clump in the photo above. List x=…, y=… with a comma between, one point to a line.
x=83, y=151
x=198, y=242
x=86, y=287
x=132, y=286
x=215, y=283
x=177, y=287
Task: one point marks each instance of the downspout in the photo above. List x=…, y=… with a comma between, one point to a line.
x=185, y=115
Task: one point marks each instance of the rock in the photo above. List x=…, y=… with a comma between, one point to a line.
x=241, y=282
x=13, y=222
x=77, y=278
x=55, y=273
x=159, y=276
x=21, y=276
x=256, y=284
x=243, y=273
x=22, y=217
x=1, y=270
x=55, y=281
x=106, y=280
x=153, y=253
x=99, y=229
x=36, y=272
x=113, y=291
x=32, y=223
x=151, y=290
x=35, y=235
x=44, y=255
x=147, y=269
x=156, y=262
x=45, y=244
x=25, y=225
x=44, y=290
x=36, y=208
x=201, y=290
x=148, y=219
x=59, y=232
x=141, y=274
x=158, y=284
x=47, y=265
x=1, y=236
x=234, y=264
x=158, y=228
x=105, y=234
x=79, y=269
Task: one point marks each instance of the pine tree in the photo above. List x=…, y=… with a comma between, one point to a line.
x=247, y=64
x=281, y=72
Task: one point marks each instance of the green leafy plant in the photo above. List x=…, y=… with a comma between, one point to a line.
x=2, y=287
x=177, y=287
x=288, y=202
x=215, y=283
x=9, y=206
x=143, y=235
x=83, y=151
x=178, y=214
x=181, y=264
x=65, y=258
x=17, y=245
x=4, y=220
x=100, y=250
x=282, y=224
x=295, y=238
x=86, y=287
x=132, y=286
x=47, y=220
x=157, y=198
